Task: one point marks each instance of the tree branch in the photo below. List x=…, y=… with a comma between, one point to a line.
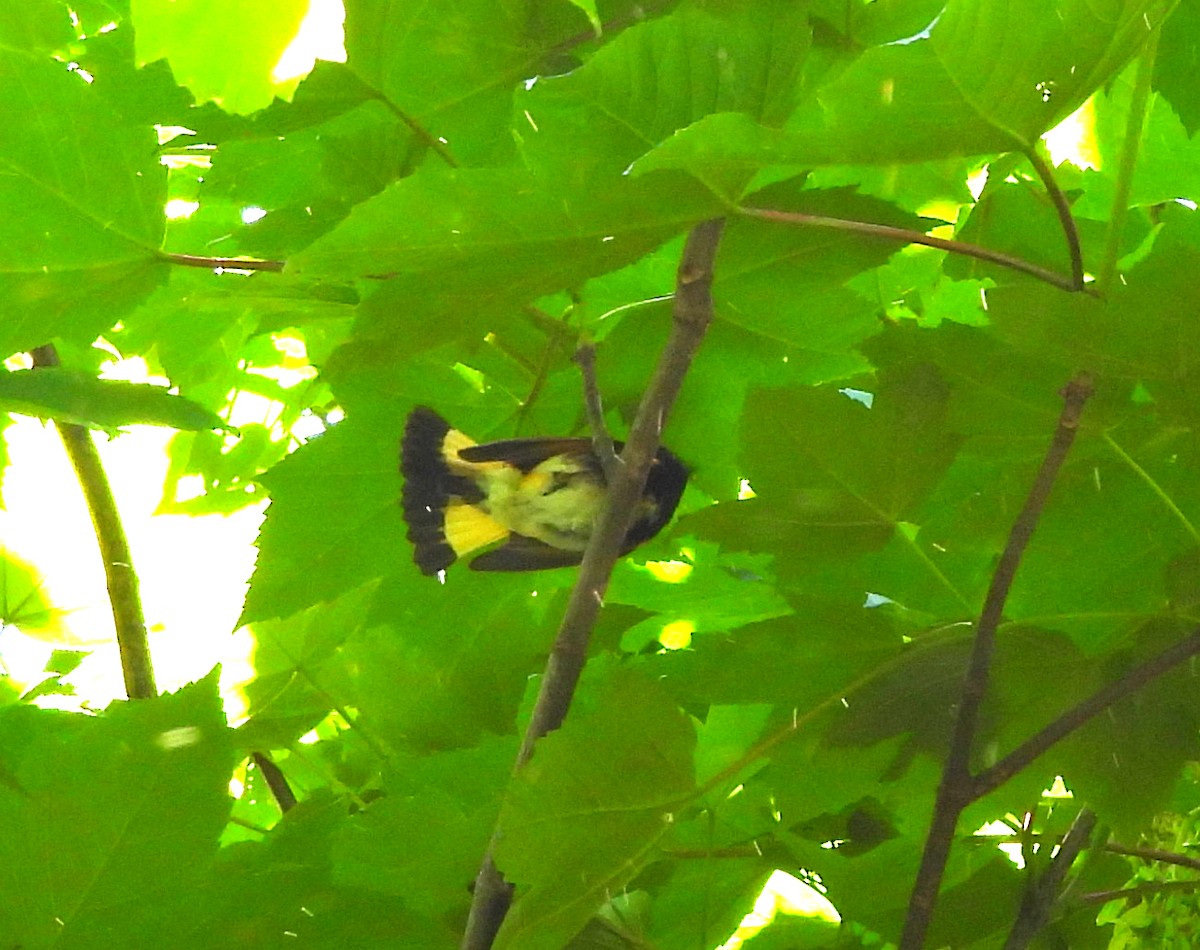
x=1041, y=896
x=1154, y=854
x=995, y=776
x=123, y=593
x=956, y=788
x=692, y=315
x=908, y=236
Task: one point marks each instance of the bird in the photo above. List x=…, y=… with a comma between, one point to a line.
x=540, y=496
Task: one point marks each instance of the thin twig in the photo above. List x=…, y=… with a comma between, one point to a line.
x=555, y=331
x=602, y=443
x=1041, y=896
x=1063, y=208
x=123, y=594
x=222, y=263
x=1141, y=890
x=1154, y=854
x=277, y=782
x=908, y=236
x=995, y=776
x=692, y=315
x=954, y=792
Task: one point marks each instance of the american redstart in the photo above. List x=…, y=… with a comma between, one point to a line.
x=541, y=497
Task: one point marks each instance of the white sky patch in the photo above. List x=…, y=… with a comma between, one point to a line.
x=322, y=35
x=178, y=208
x=1073, y=139
x=193, y=570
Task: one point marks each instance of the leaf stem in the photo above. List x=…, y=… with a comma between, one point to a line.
x=1130, y=147
x=437, y=145
x=277, y=782
x=123, y=593
x=222, y=263
x=956, y=788
x=693, y=313
x=1154, y=487
x=908, y=236
x=1063, y=209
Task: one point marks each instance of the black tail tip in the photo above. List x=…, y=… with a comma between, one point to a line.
x=425, y=493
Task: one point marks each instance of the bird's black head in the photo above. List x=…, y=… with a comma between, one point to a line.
x=664, y=487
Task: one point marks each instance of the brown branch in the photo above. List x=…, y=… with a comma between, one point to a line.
x=277, y=782
x=602, y=442
x=123, y=594
x=956, y=788
x=222, y=263
x=1113, y=847
x=995, y=776
x=692, y=315
x=908, y=236
x=1063, y=209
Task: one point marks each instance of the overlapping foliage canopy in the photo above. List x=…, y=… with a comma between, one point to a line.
x=439, y=220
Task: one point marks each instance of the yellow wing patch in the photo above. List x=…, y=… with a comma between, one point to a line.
x=468, y=529
x=455, y=442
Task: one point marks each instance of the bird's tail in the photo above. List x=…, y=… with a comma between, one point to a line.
x=440, y=494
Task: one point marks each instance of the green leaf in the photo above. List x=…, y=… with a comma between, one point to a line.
x=24, y=603
x=1062, y=58
x=331, y=534
x=715, y=595
x=598, y=795
x=660, y=77
x=85, y=194
x=1177, y=62
x=425, y=840
x=285, y=884
x=41, y=25
x=452, y=71
x=73, y=396
x=423, y=688
x=955, y=93
x=299, y=676
x=232, y=67
x=142, y=790
x=823, y=319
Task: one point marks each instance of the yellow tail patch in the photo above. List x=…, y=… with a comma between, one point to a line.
x=468, y=529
